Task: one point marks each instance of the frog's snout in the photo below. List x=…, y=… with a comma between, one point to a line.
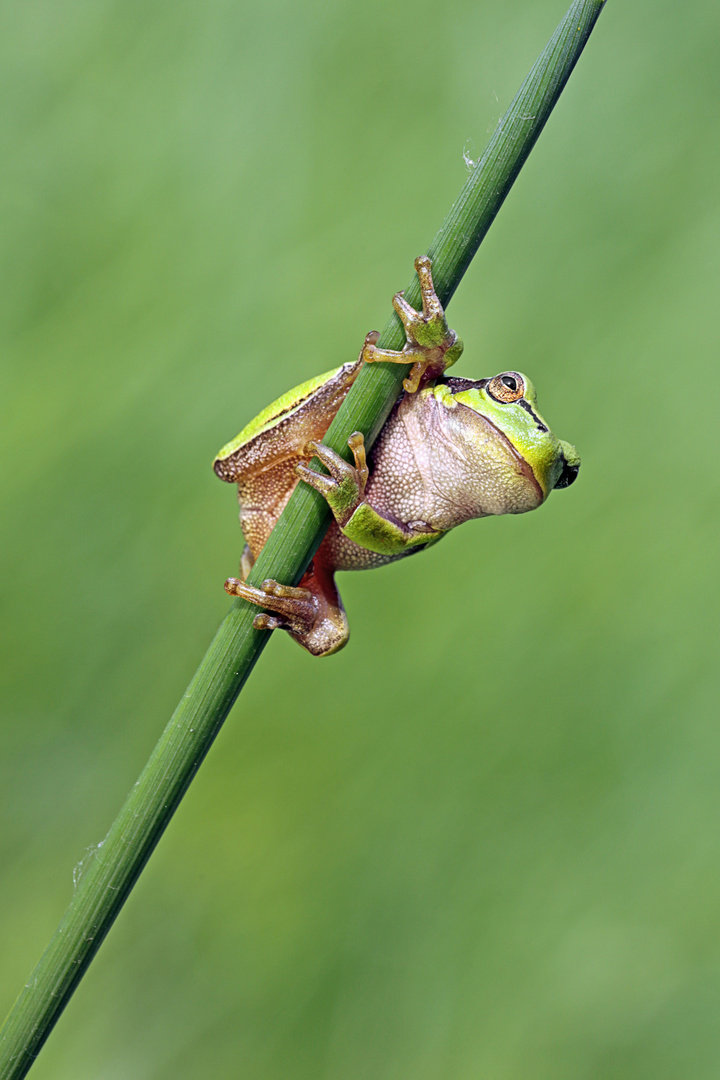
x=570, y=465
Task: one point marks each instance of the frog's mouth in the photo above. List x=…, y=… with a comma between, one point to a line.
x=569, y=473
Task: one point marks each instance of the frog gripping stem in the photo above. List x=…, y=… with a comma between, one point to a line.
x=430, y=345
x=344, y=488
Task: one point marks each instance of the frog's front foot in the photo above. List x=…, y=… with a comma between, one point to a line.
x=430, y=346
x=344, y=488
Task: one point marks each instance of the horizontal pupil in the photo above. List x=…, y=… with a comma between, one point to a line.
x=509, y=382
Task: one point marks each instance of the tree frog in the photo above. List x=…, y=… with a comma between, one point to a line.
x=452, y=449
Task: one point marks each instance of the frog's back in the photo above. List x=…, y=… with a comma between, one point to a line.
x=282, y=430
x=261, y=460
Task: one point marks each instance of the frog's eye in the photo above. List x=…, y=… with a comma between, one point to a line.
x=506, y=387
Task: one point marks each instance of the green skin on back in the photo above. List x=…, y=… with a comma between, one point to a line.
x=451, y=450
x=283, y=408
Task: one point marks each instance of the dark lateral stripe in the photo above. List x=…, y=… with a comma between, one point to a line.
x=528, y=408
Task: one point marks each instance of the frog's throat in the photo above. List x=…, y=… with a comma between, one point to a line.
x=525, y=468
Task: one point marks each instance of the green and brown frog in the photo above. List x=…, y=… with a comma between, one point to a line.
x=452, y=449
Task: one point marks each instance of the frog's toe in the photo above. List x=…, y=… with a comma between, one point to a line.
x=337, y=466
x=412, y=382
x=284, y=592
x=324, y=484
x=368, y=349
x=263, y=621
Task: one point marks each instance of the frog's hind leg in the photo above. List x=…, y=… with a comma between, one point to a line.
x=431, y=346
x=312, y=612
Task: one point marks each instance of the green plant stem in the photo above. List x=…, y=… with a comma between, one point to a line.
x=118, y=861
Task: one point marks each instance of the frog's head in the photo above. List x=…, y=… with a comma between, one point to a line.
x=508, y=402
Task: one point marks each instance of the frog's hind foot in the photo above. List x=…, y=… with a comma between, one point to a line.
x=430, y=346
x=314, y=616
x=296, y=608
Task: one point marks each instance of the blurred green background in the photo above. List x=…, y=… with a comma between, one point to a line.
x=484, y=840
